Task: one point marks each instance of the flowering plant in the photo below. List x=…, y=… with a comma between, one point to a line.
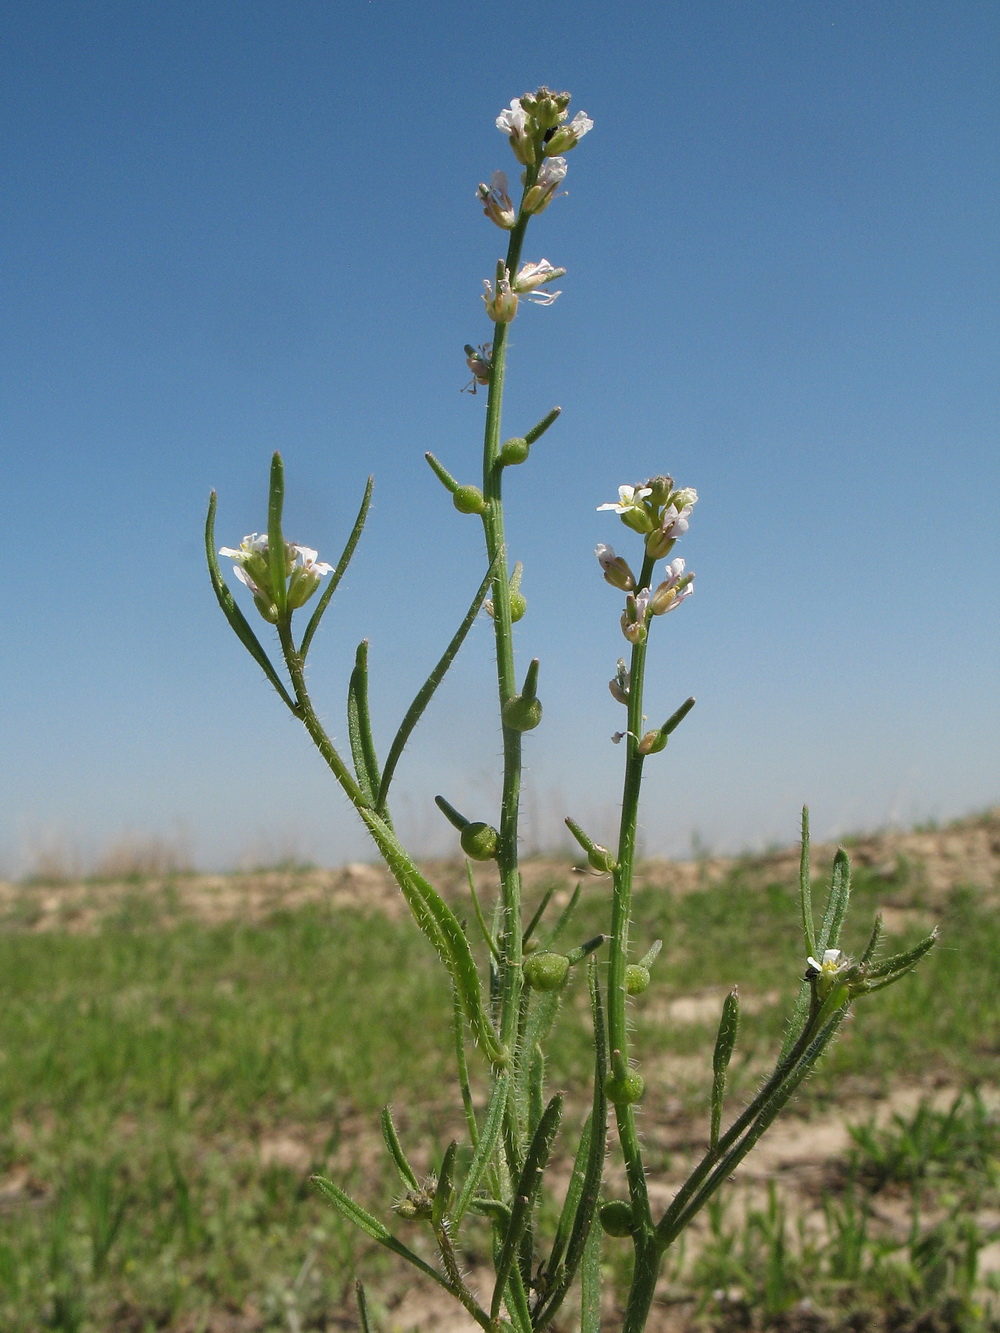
x=506, y=990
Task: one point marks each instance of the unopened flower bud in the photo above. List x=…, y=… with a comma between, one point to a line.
x=546, y=971
x=615, y=568
x=547, y=108
x=479, y=841
x=621, y=684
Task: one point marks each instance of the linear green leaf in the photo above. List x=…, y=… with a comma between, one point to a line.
x=426, y=691
x=359, y=727
x=487, y=1145
x=371, y=1226
x=338, y=572
x=406, y=1172
x=525, y=1193
x=836, y=904
x=275, y=538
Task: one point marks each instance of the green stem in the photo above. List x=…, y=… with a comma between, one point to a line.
x=621, y=908
x=493, y=527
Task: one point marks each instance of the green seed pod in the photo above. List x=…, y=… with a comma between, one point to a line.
x=624, y=1091
x=636, y=979
x=616, y=1217
x=546, y=971
x=479, y=841
x=469, y=500
x=518, y=605
x=521, y=714
x=514, y=450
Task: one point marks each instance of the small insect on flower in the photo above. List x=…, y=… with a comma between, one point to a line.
x=480, y=362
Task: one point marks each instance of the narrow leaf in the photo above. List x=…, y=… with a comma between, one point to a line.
x=406, y=1173
x=485, y=1149
x=359, y=727
x=525, y=1193
x=539, y=912
x=237, y=620
x=371, y=1226
x=588, y=1196
x=444, y=1191
x=441, y=926
x=339, y=571
x=836, y=904
x=590, y=1276
x=805, y=889
x=276, y=556
x=366, y=1325
x=426, y=691
x=724, y=1044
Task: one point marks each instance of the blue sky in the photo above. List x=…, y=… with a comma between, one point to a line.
x=233, y=228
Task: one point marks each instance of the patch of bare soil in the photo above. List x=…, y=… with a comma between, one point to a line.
x=934, y=861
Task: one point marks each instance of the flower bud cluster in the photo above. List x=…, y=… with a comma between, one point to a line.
x=660, y=514
x=252, y=566
x=538, y=127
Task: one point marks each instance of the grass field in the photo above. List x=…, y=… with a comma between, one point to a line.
x=171, y=1074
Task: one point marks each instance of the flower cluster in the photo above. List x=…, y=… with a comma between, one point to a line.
x=253, y=567
x=537, y=127
x=661, y=515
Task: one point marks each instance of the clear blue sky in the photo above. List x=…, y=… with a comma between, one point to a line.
x=235, y=227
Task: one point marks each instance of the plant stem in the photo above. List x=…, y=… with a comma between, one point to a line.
x=621, y=909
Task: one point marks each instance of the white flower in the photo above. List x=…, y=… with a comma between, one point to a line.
x=830, y=963
x=628, y=499
x=517, y=125
x=551, y=174
x=671, y=592
x=513, y=119
x=496, y=201
x=501, y=306
x=532, y=276
x=307, y=561
x=252, y=552
x=568, y=136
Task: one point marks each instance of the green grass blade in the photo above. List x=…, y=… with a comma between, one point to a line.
x=426, y=691
x=359, y=727
x=487, y=1145
x=339, y=571
x=237, y=620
